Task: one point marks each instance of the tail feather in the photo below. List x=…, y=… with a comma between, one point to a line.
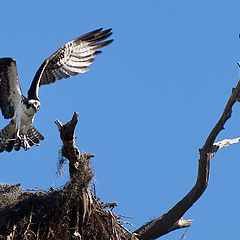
x=8, y=140
x=17, y=144
x=9, y=146
x=33, y=137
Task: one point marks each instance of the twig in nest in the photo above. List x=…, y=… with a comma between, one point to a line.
x=126, y=222
x=28, y=226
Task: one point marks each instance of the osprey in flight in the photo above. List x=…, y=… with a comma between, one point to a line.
x=69, y=60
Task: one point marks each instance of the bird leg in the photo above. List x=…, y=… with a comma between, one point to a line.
x=21, y=140
x=29, y=139
x=18, y=126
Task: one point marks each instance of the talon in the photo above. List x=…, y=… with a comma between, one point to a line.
x=25, y=143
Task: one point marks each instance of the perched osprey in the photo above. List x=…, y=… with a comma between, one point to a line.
x=69, y=60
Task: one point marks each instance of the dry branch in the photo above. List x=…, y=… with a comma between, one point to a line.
x=172, y=219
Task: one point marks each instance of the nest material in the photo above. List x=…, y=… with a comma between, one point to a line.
x=68, y=213
x=71, y=212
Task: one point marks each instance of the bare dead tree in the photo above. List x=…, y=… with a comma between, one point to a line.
x=172, y=219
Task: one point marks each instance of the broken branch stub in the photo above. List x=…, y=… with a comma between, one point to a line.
x=79, y=168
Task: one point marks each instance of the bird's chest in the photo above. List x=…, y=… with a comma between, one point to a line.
x=25, y=114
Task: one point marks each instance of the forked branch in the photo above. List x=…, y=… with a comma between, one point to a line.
x=172, y=219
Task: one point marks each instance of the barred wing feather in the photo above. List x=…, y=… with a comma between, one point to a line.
x=69, y=60
x=75, y=56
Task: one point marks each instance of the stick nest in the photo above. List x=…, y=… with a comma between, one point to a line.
x=67, y=213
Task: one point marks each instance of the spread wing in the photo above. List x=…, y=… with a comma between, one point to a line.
x=69, y=60
x=10, y=91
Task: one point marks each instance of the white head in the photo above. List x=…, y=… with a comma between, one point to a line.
x=35, y=104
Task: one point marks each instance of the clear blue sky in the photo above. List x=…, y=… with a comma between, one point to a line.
x=145, y=107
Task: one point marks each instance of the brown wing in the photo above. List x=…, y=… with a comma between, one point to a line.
x=69, y=60
x=10, y=91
